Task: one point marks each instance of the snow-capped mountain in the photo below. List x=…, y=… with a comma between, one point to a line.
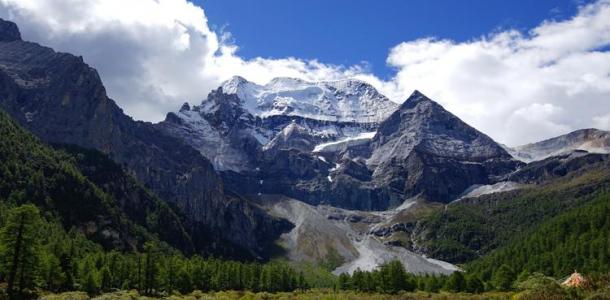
x=346, y=100
x=240, y=120
x=590, y=140
x=342, y=145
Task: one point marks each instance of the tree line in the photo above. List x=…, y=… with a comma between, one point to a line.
x=37, y=254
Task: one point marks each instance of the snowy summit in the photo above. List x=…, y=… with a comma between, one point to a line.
x=347, y=100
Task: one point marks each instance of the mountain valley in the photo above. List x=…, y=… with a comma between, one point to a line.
x=330, y=173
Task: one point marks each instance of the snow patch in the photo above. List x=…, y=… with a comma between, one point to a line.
x=334, y=146
x=590, y=140
x=479, y=190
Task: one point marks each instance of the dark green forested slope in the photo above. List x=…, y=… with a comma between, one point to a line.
x=471, y=228
x=119, y=214
x=577, y=239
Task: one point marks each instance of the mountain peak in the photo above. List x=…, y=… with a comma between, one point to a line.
x=233, y=85
x=9, y=31
x=415, y=98
x=185, y=107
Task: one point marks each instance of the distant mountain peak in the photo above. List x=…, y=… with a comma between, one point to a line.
x=589, y=139
x=185, y=107
x=9, y=31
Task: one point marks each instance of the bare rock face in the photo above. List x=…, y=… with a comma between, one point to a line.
x=62, y=100
x=422, y=149
x=9, y=32
x=418, y=150
x=559, y=166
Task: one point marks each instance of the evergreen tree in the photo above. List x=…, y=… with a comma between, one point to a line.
x=503, y=278
x=184, y=284
x=474, y=284
x=53, y=277
x=396, y=277
x=20, y=254
x=432, y=284
x=150, y=268
x=89, y=277
x=456, y=282
x=106, y=279
x=344, y=281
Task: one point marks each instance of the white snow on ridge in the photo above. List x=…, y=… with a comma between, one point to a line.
x=590, y=140
x=333, y=146
x=479, y=190
x=346, y=100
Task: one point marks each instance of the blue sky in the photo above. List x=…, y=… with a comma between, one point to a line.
x=348, y=32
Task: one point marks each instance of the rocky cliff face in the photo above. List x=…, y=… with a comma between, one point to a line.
x=577, y=161
x=422, y=149
x=418, y=150
x=62, y=100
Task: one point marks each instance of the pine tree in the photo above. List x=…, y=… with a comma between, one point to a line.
x=21, y=252
x=456, y=282
x=52, y=274
x=432, y=285
x=474, y=284
x=150, y=268
x=106, y=279
x=344, y=281
x=503, y=278
x=358, y=280
x=89, y=277
x=184, y=283
x=395, y=275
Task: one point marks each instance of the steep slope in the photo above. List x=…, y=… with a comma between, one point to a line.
x=576, y=239
x=590, y=140
x=62, y=100
x=469, y=228
x=424, y=149
x=118, y=217
x=557, y=166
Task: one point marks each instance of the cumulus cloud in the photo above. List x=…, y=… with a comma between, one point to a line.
x=517, y=87
x=152, y=55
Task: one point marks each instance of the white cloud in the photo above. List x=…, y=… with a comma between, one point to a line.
x=152, y=55
x=602, y=122
x=517, y=87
